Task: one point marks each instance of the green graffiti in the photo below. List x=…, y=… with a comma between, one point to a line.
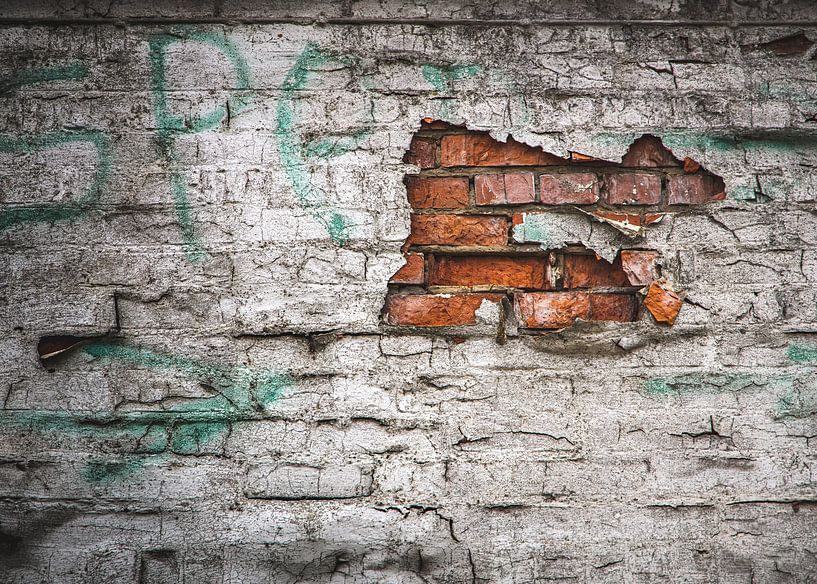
x=697, y=383
x=802, y=353
x=74, y=71
x=187, y=428
x=51, y=212
x=442, y=80
x=11, y=216
x=169, y=126
x=295, y=155
x=797, y=392
x=108, y=471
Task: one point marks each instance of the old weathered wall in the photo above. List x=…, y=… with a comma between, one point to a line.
x=203, y=205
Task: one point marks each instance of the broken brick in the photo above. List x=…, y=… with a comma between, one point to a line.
x=575, y=188
x=413, y=272
x=437, y=192
x=504, y=189
x=551, y=310
x=490, y=270
x=663, y=302
x=695, y=189
x=436, y=309
x=649, y=151
x=588, y=271
x=633, y=189
x=482, y=150
x=614, y=307
x=639, y=266
x=422, y=152
x=458, y=230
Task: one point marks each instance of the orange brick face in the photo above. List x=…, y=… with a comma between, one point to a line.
x=574, y=188
x=481, y=150
x=435, y=309
x=633, y=188
x=504, y=189
x=588, y=271
x=511, y=272
x=458, y=230
x=437, y=192
x=411, y=273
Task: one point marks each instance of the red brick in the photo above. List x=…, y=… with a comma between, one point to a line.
x=422, y=152
x=633, y=189
x=458, y=230
x=437, y=192
x=695, y=189
x=488, y=270
x=551, y=310
x=617, y=307
x=639, y=266
x=691, y=166
x=504, y=189
x=435, y=309
x=479, y=149
x=649, y=151
x=580, y=188
x=587, y=271
x=413, y=272
x=663, y=302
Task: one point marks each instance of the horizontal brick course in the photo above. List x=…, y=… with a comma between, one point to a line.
x=435, y=309
x=437, y=192
x=589, y=271
x=694, y=189
x=413, y=272
x=458, y=230
x=504, y=189
x=513, y=272
x=482, y=150
x=577, y=188
x=633, y=188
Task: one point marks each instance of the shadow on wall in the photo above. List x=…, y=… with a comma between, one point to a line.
x=507, y=224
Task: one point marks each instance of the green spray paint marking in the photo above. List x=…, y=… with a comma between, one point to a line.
x=442, y=79
x=797, y=392
x=45, y=213
x=169, y=126
x=186, y=429
x=697, y=383
x=74, y=71
x=295, y=154
x=48, y=213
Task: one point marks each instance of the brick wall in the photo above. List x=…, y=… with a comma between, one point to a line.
x=260, y=323
x=480, y=208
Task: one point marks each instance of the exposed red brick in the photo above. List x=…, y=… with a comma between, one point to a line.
x=695, y=189
x=653, y=218
x=506, y=271
x=579, y=188
x=413, y=272
x=587, y=271
x=422, y=152
x=617, y=307
x=633, y=189
x=690, y=166
x=504, y=189
x=437, y=192
x=663, y=302
x=551, y=310
x=579, y=157
x=479, y=149
x=435, y=309
x=649, y=151
x=458, y=230
x=639, y=266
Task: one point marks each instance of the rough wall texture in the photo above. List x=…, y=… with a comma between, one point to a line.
x=203, y=205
